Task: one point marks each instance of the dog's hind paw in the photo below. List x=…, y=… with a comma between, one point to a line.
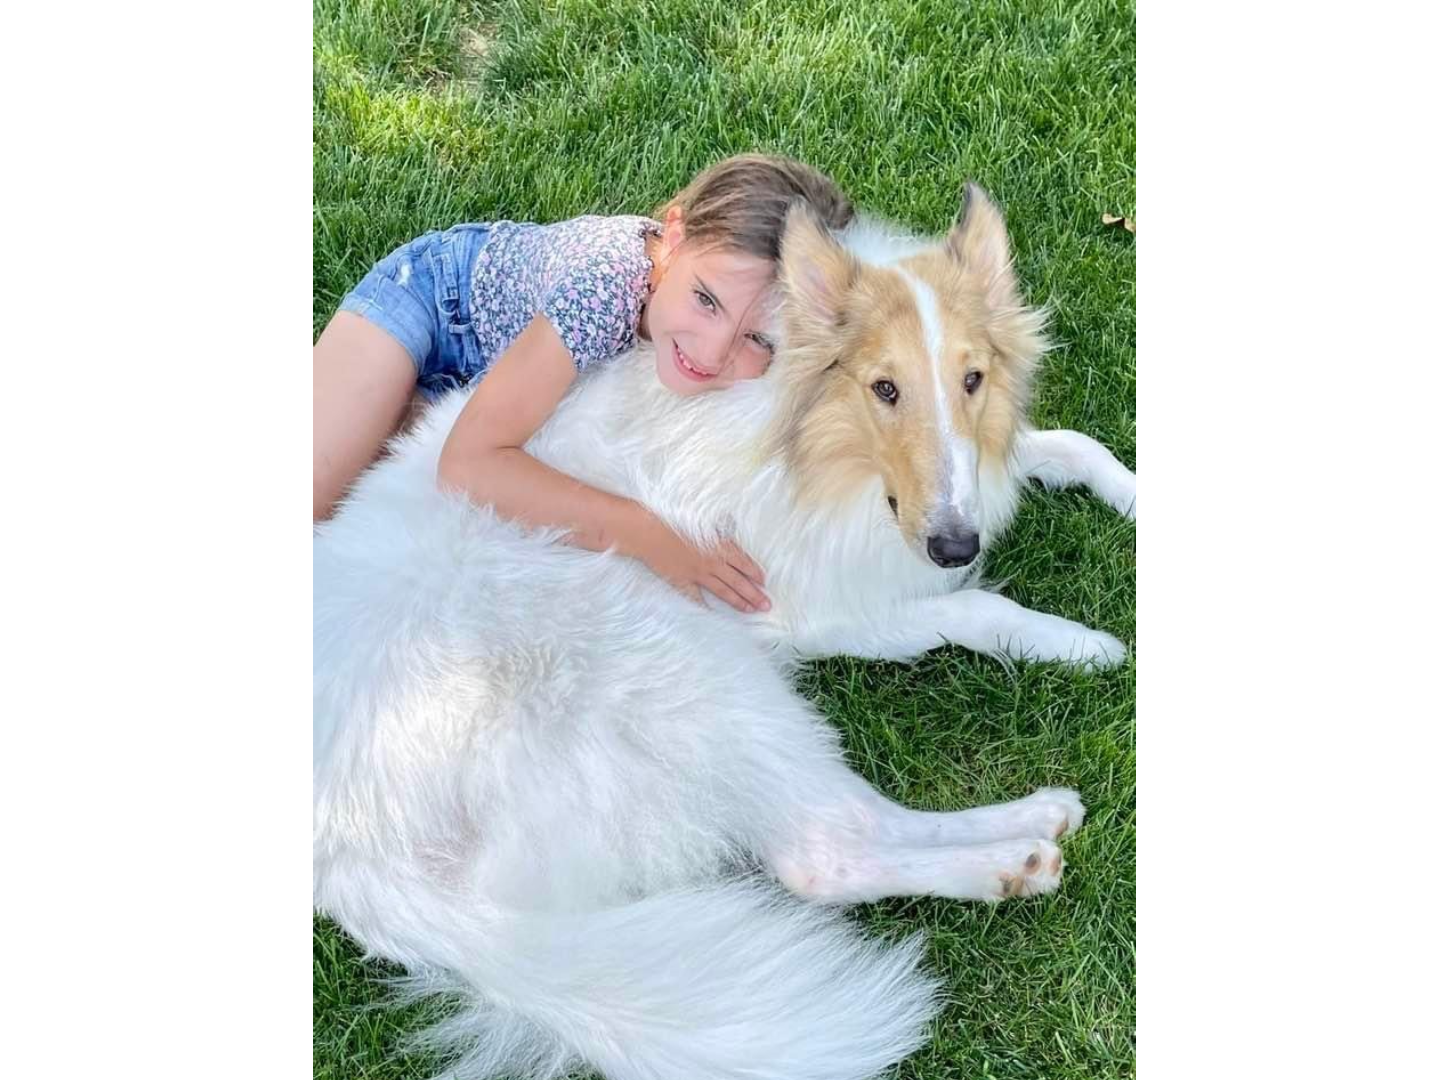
x=1037, y=872
x=1051, y=813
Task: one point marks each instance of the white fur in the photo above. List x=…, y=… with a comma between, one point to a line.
x=549, y=784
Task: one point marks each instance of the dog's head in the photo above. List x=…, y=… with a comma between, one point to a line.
x=910, y=361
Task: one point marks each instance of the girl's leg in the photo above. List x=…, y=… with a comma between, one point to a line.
x=364, y=379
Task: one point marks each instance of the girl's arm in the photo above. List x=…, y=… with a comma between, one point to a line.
x=483, y=457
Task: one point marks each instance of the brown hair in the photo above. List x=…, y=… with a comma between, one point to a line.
x=740, y=203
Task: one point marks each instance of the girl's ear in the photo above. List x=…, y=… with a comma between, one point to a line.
x=674, y=234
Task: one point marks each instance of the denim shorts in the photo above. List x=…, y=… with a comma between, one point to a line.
x=420, y=295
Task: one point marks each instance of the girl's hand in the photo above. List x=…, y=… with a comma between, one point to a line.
x=727, y=572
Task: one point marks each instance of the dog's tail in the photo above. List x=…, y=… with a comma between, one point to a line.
x=734, y=981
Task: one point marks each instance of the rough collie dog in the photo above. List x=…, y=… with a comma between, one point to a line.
x=597, y=813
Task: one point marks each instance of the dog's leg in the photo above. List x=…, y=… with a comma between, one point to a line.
x=837, y=874
x=1046, y=814
x=1060, y=459
x=853, y=845
x=983, y=621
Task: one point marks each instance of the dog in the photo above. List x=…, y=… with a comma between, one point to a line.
x=598, y=814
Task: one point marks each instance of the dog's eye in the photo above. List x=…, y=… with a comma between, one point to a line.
x=972, y=381
x=894, y=506
x=886, y=392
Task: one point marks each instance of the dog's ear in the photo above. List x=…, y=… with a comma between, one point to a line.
x=979, y=243
x=981, y=247
x=816, y=274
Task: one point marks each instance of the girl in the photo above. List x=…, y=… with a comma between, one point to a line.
x=530, y=306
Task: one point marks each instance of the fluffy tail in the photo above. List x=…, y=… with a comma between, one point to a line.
x=735, y=981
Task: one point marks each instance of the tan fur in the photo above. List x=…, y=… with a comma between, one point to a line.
x=850, y=324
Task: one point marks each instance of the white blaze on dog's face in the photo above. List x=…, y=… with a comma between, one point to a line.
x=912, y=362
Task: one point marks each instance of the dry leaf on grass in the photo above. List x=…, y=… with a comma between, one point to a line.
x=1128, y=224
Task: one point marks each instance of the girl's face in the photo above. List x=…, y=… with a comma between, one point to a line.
x=708, y=314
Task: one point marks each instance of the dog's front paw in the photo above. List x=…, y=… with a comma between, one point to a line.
x=1114, y=483
x=1099, y=650
x=1049, y=637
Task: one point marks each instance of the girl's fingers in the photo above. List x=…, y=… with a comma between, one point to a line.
x=742, y=562
x=721, y=588
x=757, y=600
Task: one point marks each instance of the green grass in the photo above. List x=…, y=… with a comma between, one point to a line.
x=430, y=114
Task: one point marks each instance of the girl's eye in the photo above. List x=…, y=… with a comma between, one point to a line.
x=972, y=381
x=706, y=301
x=886, y=392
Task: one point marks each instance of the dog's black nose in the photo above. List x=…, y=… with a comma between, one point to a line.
x=958, y=549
